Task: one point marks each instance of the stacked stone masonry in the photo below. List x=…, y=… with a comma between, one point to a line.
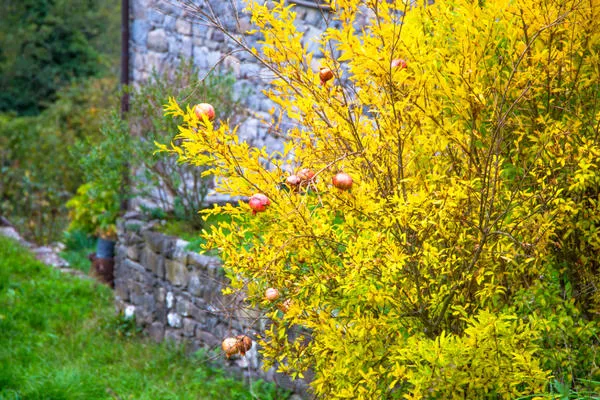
x=175, y=295
x=163, y=32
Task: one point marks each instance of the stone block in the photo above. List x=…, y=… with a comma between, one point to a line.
x=157, y=332
x=244, y=317
x=195, y=312
x=215, y=270
x=157, y=41
x=195, y=284
x=140, y=75
x=149, y=303
x=137, y=12
x=156, y=18
x=212, y=45
x=267, y=104
x=232, y=64
x=133, y=226
x=135, y=270
x=250, y=359
x=314, y=17
x=200, y=30
x=179, y=254
x=249, y=69
x=182, y=306
x=213, y=57
x=121, y=290
x=154, y=240
x=199, y=56
x=169, y=22
x=186, y=47
x=197, y=42
x=173, y=336
x=136, y=293
x=211, y=324
x=189, y=327
x=266, y=76
x=217, y=36
x=183, y=27
x=201, y=260
x=174, y=320
x=244, y=25
x=160, y=294
x=176, y=273
x=153, y=262
x=139, y=30
x=170, y=300
x=133, y=252
x=120, y=251
x=249, y=128
x=241, y=87
x=144, y=317
x=207, y=338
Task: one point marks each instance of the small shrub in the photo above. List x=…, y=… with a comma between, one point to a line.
x=39, y=173
x=105, y=168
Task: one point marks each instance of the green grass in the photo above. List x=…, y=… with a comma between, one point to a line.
x=78, y=246
x=184, y=230
x=60, y=339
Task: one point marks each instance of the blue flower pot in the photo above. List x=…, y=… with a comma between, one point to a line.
x=105, y=248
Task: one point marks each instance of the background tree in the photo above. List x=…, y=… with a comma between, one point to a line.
x=47, y=44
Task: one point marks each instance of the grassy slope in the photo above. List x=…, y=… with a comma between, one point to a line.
x=59, y=339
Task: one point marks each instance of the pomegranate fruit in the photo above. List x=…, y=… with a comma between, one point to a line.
x=258, y=202
x=325, y=74
x=293, y=180
x=204, y=109
x=272, y=294
x=342, y=181
x=230, y=346
x=399, y=63
x=285, y=305
x=306, y=174
x=244, y=343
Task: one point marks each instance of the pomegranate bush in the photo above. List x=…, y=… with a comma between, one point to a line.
x=435, y=265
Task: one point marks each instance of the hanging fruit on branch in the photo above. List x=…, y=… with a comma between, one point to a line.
x=258, y=203
x=342, y=181
x=204, y=109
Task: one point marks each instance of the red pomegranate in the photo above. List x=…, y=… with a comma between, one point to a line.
x=399, y=63
x=204, y=109
x=306, y=174
x=230, y=346
x=271, y=294
x=325, y=74
x=258, y=202
x=342, y=181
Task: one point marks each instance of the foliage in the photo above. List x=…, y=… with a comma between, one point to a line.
x=93, y=210
x=59, y=339
x=78, y=245
x=569, y=342
x=105, y=169
x=161, y=179
x=475, y=184
x=38, y=171
x=45, y=45
x=185, y=231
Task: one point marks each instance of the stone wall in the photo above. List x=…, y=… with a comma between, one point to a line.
x=162, y=33
x=175, y=295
